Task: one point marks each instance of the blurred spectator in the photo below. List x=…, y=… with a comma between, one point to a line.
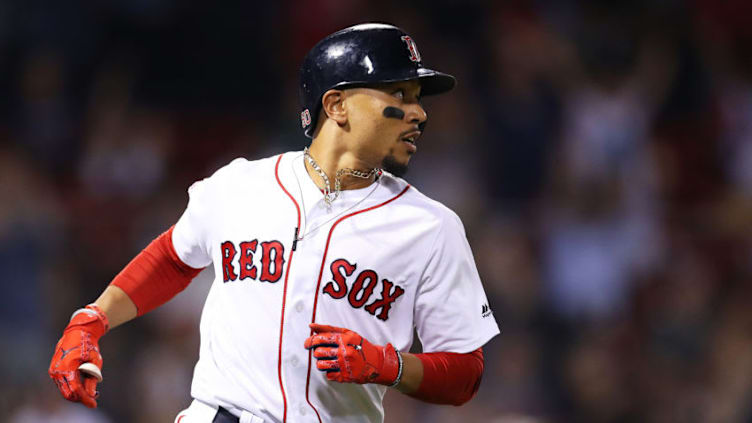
x=31, y=231
x=44, y=116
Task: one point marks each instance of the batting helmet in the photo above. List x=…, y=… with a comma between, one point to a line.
x=362, y=55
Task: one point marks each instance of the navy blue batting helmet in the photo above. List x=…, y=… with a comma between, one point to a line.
x=362, y=55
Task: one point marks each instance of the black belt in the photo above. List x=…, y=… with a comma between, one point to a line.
x=224, y=416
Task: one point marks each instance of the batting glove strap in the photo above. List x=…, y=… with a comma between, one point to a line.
x=391, y=368
x=91, y=313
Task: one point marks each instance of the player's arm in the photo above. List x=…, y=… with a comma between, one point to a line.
x=116, y=305
x=152, y=278
x=441, y=378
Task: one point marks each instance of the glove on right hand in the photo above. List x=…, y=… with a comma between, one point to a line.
x=346, y=356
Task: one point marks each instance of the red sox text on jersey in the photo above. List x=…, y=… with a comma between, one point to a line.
x=361, y=289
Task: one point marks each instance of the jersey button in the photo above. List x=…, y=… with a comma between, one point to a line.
x=294, y=361
x=302, y=409
x=299, y=307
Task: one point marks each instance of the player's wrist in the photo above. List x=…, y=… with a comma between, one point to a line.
x=90, y=317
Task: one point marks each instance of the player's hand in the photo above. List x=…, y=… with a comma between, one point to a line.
x=76, y=364
x=346, y=356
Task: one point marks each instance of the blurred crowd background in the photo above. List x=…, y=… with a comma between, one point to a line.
x=599, y=154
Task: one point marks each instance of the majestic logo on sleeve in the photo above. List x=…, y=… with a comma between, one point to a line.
x=412, y=48
x=362, y=288
x=485, y=310
x=270, y=263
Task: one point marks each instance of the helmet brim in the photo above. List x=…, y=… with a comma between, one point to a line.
x=434, y=82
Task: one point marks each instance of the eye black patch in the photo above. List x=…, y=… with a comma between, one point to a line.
x=394, y=112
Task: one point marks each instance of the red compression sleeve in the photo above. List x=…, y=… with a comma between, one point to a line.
x=155, y=275
x=450, y=378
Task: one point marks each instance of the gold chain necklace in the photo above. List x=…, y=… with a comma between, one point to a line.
x=330, y=196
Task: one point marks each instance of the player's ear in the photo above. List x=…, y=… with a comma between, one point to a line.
x=332, y=103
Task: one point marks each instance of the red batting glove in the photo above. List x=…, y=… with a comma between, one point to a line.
x=346, y=356
x=79, y=345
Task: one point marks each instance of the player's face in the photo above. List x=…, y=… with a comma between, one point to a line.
x=385, y=122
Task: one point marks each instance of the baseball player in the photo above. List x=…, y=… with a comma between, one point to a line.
x=325, y=261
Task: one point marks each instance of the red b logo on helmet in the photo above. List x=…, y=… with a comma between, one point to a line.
x=412, y=48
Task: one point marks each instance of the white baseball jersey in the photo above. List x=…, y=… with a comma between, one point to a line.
x=380, y=261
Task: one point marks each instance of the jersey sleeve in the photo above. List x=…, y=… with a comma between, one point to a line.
x=189, y=237
x=451, y=310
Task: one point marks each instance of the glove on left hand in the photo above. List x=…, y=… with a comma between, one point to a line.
x=79, y=345
x=346, y=356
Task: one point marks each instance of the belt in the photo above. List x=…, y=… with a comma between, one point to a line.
x=224, y=416
x=201, y=411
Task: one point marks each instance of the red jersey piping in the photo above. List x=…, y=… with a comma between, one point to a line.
x=284, y=295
